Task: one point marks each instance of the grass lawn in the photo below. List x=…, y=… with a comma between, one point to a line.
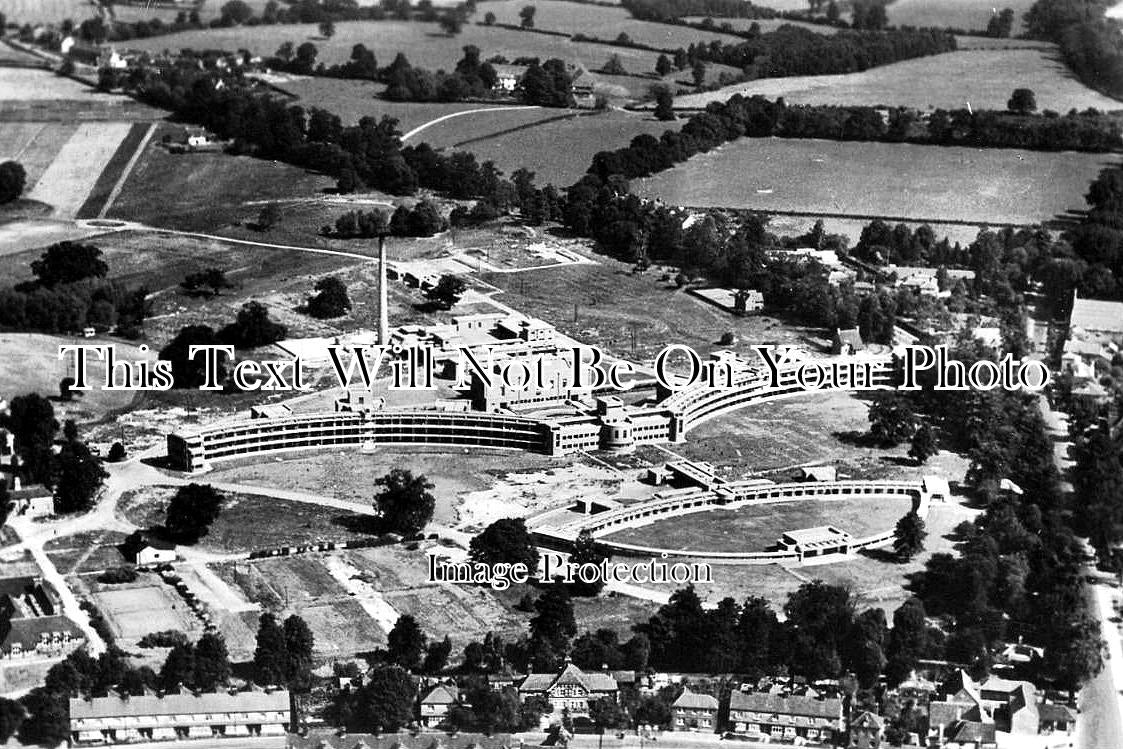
x=90, y=551
x=34, y=145
x=983, y=78
x=758, y=528
x=897, y=180
x=203, y=191
x=560, y=152
x=249, y=521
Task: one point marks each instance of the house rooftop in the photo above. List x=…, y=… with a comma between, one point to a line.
x=115, y=706
x=774, y=703
x=1094, y=314
x=694, y=701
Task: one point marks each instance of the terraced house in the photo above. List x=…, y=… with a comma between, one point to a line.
x=118, y=719
x=779, y=717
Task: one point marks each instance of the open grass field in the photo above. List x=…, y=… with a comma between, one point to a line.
x=958, y=14
x=423, y=43
x=137, y=609
x=31, y=364
x=203, y=191
x=758, y=528
x=601, y=23
x=560, y=152
x=249, y=521
x=984, y=78
x=896, y=180
x=348, y=475
x=90, y=551
x=45, y=11
x=765, y=24
x=611, y=301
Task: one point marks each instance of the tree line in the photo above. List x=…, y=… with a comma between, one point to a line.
x=1089, y=41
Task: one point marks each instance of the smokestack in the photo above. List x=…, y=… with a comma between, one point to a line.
x=383, y=313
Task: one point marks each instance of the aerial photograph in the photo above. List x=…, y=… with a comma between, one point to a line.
x=585, y=374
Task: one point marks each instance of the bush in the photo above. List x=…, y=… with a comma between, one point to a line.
x=117, y=453
x=168, y=638
x=117, y=576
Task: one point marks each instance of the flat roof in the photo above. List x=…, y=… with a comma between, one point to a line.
x=817, y=536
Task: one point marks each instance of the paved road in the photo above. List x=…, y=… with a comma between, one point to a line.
x=1101, y=706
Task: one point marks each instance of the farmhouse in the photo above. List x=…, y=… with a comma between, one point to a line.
x=571, y=689
x=785, y=717
x=508, y=78
x=116, y=719
x=693, y=711
x=816, y=542
x=865, y=731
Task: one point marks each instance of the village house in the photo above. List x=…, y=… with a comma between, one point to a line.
x=31, y=623
x=780, y=717
x=436, y=705
x=571, y=689
x=692, y=711
x=508, y=78
x=582, y=88
x=116, y=719
x=866, y=731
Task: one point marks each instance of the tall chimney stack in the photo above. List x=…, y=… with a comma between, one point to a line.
x=383, y=313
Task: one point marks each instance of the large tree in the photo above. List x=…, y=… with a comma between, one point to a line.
x=330, y=299
x=191, y=512
x=31, y=420
x=587, y=551
x=188, y=371
x=404, y=503
x=447, y=291
x=892, y=420
x=253, y=327
x=506, y=540
x=67, y=262
x=78, y=476
x=553, y=621
x=270, y=657
x=910, y=535
x=13, y=178
x=405, y=643
x=299, y=644
x=385, y=702
x=212, y=662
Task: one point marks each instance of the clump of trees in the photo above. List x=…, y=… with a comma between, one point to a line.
x=191, y=512
x=447, y=291
x=330, y=299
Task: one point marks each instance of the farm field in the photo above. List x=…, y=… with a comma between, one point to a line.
x=45, y=11
x=983, y=78
x=33, y=144
x=765, y=24
x=67, y=182
x=561, y=152
x=958, y=14
x=424, y=44
x=757, y=528
x=467, y=128
x=895, y=180
x=601, y=23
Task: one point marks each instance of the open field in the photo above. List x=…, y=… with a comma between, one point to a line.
x=561, y=152
x=758, y=528
x=137, y=609
x=969, y=15
x=601, y=23
x=33, y=144
x=765, y=24
x=90, y=551
x=45, y=11
x=602, y=305
x=248, y=521
x=423, y=43
x=982, y=78
x=202, y=191
x=31, y=364
x=349, y=475
x=881, y=179
x=67, y=182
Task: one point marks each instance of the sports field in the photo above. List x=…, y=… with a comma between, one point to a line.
x=982, y=78
x=560, y=152
x=880, y=179
x=133, y=612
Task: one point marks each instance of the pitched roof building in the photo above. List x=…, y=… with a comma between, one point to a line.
x=785, y=717
x=694, y=711
x=436, y=705
x=571, y=689
x=117, y=719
